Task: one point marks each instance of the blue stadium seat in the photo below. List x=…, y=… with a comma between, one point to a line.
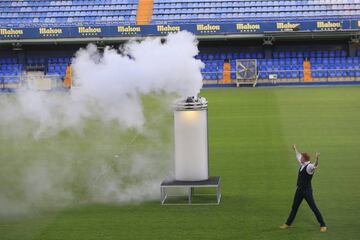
x=42, y=12
x=282, y=74
x=318, y=54
x=288, y=72
x=229, y=56
x=263, y=75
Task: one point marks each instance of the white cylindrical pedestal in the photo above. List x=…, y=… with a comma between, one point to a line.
x=191, y=142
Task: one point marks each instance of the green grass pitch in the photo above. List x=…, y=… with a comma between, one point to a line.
x=251, y=133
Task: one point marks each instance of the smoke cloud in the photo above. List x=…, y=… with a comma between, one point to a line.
x=109, y=139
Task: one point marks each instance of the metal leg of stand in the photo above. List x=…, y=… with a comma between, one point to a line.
x=190, y=194
x=217, y=194
x=162, y=195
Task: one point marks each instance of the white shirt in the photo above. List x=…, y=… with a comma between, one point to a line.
x=310, y=169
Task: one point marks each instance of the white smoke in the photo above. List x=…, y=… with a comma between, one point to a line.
x=58, y=148
x=115, y=81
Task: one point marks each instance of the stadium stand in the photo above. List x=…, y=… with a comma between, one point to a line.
x=287, y=66
x=227, y=10
x=57, y=65
x=68, y=12
x=213, y=70
x=318, y=64
x=10, y=71
x=75, y=12
x=50, y=65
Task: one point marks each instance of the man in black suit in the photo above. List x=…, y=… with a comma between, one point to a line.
x=304, y=189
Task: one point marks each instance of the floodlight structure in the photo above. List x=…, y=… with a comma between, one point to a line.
x=191, y=150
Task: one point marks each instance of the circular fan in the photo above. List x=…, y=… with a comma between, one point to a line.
x=246, y=69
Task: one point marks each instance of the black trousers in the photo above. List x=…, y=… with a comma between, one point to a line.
x=300, y=194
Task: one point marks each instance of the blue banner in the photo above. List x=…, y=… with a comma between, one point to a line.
x=161, y=30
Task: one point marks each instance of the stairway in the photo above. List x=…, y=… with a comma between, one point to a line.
x=144, y=12
x=307, y=71
x=68, y=77
x=226, y=73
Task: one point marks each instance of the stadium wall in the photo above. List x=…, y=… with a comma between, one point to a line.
x=39, y=55
x=240, y=29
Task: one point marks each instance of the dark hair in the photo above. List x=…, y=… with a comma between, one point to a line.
x=306, y=156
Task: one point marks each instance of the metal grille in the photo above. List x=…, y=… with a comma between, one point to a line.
x=246, y=69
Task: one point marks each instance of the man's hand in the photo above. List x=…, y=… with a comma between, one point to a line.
x=294, y=147
x=317, y=155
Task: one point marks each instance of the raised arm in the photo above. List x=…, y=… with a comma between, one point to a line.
x=317, y=154
x=298, y=155
x=312, y=166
